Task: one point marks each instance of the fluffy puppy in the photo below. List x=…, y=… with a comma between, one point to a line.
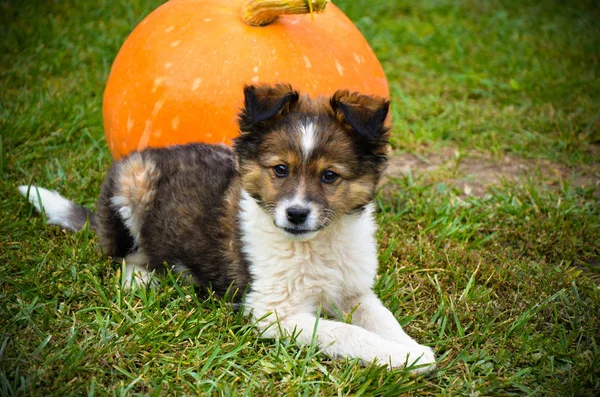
x=287, y=214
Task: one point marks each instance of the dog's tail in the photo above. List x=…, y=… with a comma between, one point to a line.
x=58, y=210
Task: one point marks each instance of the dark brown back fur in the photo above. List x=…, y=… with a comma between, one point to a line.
x=188, y=222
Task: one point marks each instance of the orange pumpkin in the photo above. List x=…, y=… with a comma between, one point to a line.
x=179, y=76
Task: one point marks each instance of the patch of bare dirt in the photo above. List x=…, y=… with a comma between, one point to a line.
x=473, y=173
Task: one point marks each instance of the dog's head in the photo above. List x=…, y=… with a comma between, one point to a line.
x=308, y=161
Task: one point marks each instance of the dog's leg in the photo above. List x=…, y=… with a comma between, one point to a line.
x=370, y=314
x=340, y=340
x=135, y=272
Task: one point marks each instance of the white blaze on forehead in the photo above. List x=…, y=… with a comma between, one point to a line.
x=308, y=138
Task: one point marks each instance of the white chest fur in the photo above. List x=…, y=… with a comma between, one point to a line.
x=292, y=276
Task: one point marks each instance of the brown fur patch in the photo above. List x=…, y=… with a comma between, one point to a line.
x=136, y=182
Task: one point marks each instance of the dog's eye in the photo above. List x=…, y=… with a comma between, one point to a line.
x=280, y=170
x=329, y=176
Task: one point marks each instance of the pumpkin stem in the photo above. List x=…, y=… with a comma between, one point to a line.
x=263, y=12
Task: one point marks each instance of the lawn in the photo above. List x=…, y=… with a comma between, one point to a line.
x=502, y=281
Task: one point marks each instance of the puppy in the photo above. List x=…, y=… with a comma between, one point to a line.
x=288, y=213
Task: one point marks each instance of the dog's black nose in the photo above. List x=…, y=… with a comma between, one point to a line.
x=297, y=215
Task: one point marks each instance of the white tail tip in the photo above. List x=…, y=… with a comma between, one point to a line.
x=56, y=207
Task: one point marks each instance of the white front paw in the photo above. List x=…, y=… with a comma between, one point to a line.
x=421, y=357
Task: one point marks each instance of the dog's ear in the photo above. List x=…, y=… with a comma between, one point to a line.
x=263, y=103
x=364, y=115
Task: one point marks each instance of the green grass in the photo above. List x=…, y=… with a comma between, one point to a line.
x=492, y=75
x=504, y=287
